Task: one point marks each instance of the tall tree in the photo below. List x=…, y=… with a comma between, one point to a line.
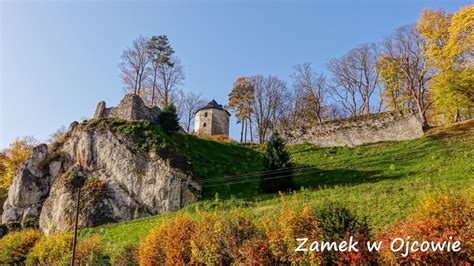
x=240, y=102
x=133, y=66
x=295, y=112
x=355, y=79
x=159, y=53
x=189, y=103
x=270, y=98
x=405, y=71
x=311, y=86
x=278, y=174
x=170, y=78
x=449, y=40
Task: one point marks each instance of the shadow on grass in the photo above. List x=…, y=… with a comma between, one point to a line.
x=312, y=177
x=459, y=129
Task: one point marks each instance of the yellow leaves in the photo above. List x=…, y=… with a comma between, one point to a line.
x=450, y=47
x=433, y=26
x=452, y=91
x=391, y=75
x=460, y=45
x=12, y=158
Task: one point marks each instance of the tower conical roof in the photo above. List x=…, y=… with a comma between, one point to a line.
x=213, y=105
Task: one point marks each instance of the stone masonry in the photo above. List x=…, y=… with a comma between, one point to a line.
x=385, y=126
x=212, y=119
x=131, y=107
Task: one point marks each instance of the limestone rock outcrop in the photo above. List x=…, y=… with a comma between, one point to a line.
x=29, y=188
x=116, y=180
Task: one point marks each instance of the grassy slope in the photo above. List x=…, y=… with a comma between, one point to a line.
x=210, y=159
x=381, y=181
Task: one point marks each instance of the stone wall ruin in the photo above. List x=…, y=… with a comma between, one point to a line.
x=385, y=126
x=131, y=107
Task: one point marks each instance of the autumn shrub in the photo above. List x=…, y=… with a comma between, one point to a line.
x=58, y=138
x=436, y=218
x=255, y=251
x=14, y=247
x=168, y=243
x=289, y=223
x=218, y=238
x=91, y=252
x=128, y=256
x=54, y=249
x=209, y=240
x=12, y=158
x=339, y=224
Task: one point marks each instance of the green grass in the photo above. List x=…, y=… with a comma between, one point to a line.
x=210, y=159
x=381, y=181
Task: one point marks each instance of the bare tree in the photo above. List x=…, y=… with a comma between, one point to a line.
x=133, y=66
x=187, y=106
x=333, y=112
x=311, y=86
x=269, y=100
x=295, y=112
x=170, y=77
x=404, y=50
x=355, y=79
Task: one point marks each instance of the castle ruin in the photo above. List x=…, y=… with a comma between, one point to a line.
x=131, y=107
x=212, y=119
x=358, y=130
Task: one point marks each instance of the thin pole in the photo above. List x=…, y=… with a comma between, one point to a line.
x=75, y=227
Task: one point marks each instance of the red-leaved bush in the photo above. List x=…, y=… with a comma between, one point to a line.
x=435, y=219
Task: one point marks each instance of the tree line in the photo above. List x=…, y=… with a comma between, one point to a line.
x=150, y=69
x=426, y=67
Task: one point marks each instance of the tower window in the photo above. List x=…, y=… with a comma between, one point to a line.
x=204, y=125
x=205, y=114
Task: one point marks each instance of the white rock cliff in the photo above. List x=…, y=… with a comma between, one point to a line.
x=118, y=182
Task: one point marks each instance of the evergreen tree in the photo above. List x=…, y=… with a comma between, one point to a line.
x=169, y=120
x=276, y=163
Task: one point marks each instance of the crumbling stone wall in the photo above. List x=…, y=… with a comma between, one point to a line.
x=131, y=107
x=386, y=126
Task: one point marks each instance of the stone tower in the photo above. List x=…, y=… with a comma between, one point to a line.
x=212, y=119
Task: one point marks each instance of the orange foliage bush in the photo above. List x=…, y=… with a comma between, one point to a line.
x=168, y=243
x=218, y=239
x=15, y=246
x=54, y=249
x=255, y=251
x=90, y=251
x=436, y=219
x=290, y=223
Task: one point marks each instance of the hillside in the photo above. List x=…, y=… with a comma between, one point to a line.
x=381, y=181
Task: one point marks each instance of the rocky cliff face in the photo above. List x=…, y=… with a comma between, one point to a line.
x=117, y=181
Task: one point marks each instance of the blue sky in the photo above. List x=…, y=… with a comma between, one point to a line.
x=58, y=59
